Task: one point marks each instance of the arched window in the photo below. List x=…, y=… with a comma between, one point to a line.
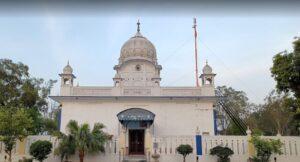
x=117, y=83
x=208, y=81
x=67, y=81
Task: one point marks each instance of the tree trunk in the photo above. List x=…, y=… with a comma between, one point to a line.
x=81, y=155
x=9, y=156
x=183, y=158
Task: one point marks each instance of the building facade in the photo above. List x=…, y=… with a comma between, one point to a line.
x=136, y=109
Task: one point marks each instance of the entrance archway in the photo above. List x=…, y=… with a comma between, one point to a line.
x=136, y=121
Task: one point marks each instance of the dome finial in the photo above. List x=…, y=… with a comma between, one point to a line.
x=68, y=63
x=206, y=62
x=138, y=25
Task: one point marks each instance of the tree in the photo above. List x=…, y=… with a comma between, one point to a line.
x=40, y=150
x=87, y=140
x=278, y=113
x=51, y=126
x=14, y=125
x=184, y=150
x=12, y=76
x=19, y=90
x=265, y=148
x=223, y=153
x=274, y=116
x=66, y=147
x=238, y=102
x=22, y=98
x=286, y=72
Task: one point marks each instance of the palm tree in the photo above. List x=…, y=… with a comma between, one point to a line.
x=87, y=140
x=66, y=147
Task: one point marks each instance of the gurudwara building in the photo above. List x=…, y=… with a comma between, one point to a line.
x=148, y=121
x=136, y=109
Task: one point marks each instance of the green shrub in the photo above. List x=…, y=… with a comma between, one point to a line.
x=40, y=150
x=265, y=148
x=184, y=150
x=25, y=160
x=223, y=153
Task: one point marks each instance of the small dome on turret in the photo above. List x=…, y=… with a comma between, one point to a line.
x=207, y=69
x=67, y=69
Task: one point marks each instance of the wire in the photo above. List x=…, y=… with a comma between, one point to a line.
x=176, y=50
x=179, y=78
x=227, y=68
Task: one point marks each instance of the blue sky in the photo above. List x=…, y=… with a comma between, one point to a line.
x=240, y=49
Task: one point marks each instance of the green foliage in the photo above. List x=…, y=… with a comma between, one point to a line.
x=40, y=150
x=274, y=116
x=280, y=112
x=50, y=126
x=265, y=148
x=286, y=70
x=19, y=90
x=184, y=150
x=232, y=129
x=12, y=76
x=37, y=124
x=238, y=102
x=66, y=147
x=14, y=125
x=277, y=114
x=22, y=98
x=87, y=140
x=223, y=153
x=25, y=160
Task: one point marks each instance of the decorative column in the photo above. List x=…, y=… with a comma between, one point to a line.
x=251, y=149
x=122, y=140
x=21, y=146
x=148, y=141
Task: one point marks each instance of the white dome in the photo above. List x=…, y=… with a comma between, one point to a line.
x=138, y=47
x=207, y=69
x=68, y=69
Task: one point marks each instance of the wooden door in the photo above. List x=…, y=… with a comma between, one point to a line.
x=136, y=141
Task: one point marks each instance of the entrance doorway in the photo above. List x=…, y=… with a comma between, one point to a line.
x=136, y=141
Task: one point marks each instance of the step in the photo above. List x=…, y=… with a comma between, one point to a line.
x=135, y=158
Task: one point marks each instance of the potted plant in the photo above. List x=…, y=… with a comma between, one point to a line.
x=184, y=150
x=223, y=153
x=155, y=156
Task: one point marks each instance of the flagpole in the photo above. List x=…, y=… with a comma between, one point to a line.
x=196, y=53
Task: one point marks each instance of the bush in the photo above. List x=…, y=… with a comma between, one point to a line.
x=40, y=149
x=25, y=160
x=265, y=148
x=184, y=150
x=223, y=153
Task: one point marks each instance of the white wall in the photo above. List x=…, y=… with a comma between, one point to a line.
x=173, y=117
x=167, y=145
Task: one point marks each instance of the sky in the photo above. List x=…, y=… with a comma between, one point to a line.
x=239, y=48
